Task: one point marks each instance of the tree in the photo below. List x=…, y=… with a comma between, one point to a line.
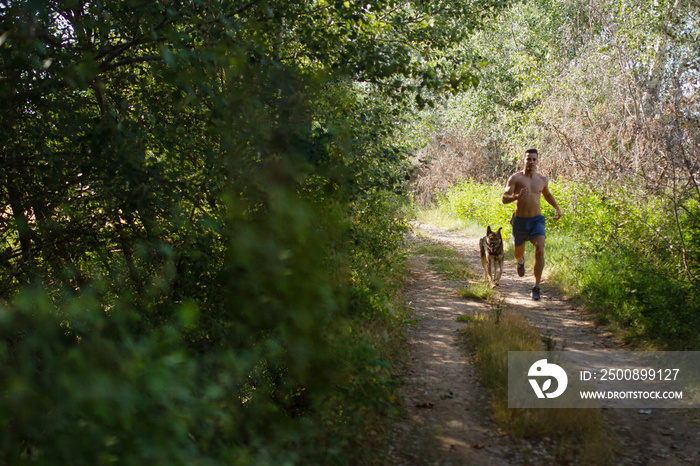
x=195, y=193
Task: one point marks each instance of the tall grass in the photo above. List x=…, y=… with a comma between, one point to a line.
x=579, y=434
x=478, y=203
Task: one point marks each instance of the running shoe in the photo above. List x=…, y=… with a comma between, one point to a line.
x=536, y=292
x=521, y=268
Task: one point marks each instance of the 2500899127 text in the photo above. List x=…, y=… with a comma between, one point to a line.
x=631, y=374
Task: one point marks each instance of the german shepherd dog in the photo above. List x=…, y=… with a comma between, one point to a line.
x=491, y=247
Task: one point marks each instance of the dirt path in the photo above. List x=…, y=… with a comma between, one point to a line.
x=448, y=420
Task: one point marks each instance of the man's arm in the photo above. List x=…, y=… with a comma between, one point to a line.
x=550, y=199
x=509, y=194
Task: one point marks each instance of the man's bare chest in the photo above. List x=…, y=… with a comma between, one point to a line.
x=533, y=185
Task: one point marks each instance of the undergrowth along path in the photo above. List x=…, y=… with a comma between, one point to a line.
x=448, y=419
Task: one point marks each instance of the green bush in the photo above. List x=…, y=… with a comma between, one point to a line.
x=480, y=203
x=626, y=263
x=201, y=245
x=276, y=362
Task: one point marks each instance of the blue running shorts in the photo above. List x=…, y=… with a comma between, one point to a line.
x=527, y=228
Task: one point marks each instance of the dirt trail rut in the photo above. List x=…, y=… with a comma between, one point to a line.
x=448, y=411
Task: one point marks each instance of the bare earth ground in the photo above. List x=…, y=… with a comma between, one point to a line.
x=448, y=420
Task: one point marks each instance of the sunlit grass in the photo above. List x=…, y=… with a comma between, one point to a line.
x=446, y=261
x=578, y=434
x=437, y=250
x=477, y=290
x=441, y=219
x=470, y=318
x=451, y=268
x=559, y=260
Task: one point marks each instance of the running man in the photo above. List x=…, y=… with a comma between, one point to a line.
x=525, y=188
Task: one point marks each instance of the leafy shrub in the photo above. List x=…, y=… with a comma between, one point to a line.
x=627, y=263
x=202, y=242
x=271, y=365
x=479, y=202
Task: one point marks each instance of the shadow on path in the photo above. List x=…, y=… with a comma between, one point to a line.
x=447, y=405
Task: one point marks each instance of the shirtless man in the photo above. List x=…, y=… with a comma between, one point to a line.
x=525, y=187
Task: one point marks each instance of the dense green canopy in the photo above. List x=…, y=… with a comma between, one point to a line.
x=199, y=220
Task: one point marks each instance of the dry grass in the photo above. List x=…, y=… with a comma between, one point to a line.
x=577, y=435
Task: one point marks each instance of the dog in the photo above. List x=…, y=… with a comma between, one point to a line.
x=491, y=247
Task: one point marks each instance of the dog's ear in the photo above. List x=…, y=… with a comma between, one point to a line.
x=499, y=230
x=488, y=230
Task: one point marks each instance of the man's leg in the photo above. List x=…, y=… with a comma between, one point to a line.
x=538, y=242
x=519, y=236
x=519, y=252
x=520, y=258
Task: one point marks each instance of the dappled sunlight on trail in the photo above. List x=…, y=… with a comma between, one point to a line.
x=448, y=422
x=647, y=437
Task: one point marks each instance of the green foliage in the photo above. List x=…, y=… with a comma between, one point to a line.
x=629, y=263
x=689, y=225
x=481, y=203
x=264, y=368
x=91, y=392
x=201, y=241
x=377, y=255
